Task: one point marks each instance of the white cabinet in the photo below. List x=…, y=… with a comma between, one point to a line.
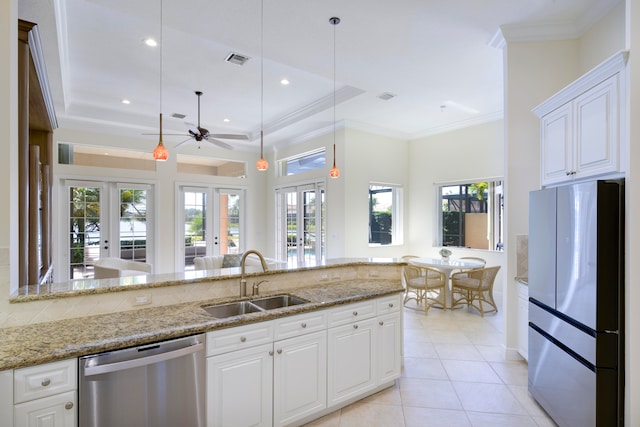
x=288, y=370
x=299, y=377
x=239, y=387
x=580, y=126
x=46, y=395
x=523, y=320
x=351, y=360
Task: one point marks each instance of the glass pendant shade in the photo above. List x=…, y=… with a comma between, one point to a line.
x=160, y=153
x=334, y=172
x=262, y=165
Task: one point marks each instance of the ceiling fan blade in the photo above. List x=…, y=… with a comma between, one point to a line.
x=219, y=143
x=230, y=136
x=183, y=142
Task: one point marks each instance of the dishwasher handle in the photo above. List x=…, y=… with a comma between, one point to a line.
x=135, y=363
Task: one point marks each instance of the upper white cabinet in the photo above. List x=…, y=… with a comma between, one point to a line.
x=582, y=127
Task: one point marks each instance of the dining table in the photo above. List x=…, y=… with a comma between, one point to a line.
x=447, y=266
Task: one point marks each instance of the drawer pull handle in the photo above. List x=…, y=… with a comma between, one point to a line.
x=279, y=351
x=381, y=323
x=390, y=305
x=45, y=382
x=243, y=339
x=304, y=325
x=355, y=326
x=68, y=405
x=355, y=313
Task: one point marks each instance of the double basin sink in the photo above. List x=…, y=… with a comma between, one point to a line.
x=221, y=311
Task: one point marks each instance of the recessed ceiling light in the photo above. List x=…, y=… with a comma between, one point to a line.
x=150, y=42
x=126, y=101
x=226, y=120
x=284, y=82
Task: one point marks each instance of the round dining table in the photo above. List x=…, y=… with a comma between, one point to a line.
x=447, y=266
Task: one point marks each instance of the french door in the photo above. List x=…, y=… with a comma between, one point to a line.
x=105, y=219
x=301, y=238
x=212, y=223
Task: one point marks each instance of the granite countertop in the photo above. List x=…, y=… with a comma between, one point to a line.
x=47, y=342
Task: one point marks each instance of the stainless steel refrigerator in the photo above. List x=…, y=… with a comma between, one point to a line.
x=576, y=291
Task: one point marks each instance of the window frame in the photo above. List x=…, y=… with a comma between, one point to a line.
x=397, y=218
x=495, y=209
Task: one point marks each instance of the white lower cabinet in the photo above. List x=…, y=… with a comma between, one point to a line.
x=239, y=388
x=283, y=372
x=46, y=395
x=351, y=359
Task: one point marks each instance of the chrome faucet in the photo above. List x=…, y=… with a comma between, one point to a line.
x=243, y=281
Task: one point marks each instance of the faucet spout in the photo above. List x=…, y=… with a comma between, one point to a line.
x=243, y=280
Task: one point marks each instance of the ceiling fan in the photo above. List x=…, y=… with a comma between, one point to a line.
x=199, y=134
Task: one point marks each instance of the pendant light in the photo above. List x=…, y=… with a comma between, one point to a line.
x=262, y=164
x=160, y=153
x=334, y=172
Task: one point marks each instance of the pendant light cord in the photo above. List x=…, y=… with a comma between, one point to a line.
x=161, y=45
x=261, y=78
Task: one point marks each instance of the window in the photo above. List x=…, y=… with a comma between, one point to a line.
x=385, y=224
x=302, y=163
x=470, y=215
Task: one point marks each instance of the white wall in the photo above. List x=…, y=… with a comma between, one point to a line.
x=603, y=39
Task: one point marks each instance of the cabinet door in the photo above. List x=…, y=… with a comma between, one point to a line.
x=239, y=388
x=557, y=145
x=597, y=141
x=389, y=341
x=300, y=377
x=351, y=360
x=53, y=411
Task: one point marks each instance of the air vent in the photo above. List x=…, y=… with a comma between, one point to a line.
x=178, y=116
x=385, y=96
x=236, y=58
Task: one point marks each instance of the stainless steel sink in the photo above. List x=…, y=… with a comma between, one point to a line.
x=220, y=311
x=277, y=301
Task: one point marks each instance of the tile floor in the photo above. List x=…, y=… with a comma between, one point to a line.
x=454, y=375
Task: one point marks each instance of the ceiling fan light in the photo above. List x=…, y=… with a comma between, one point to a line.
x=262, y=164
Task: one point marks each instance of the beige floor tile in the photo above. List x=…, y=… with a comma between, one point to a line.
x=448, y=336
x=424, y=368
x=427, y=417
x=389, y=396
x=485, y=397
x=426, y=393
x=483, y=337
x=491, y=353
x=514, y=373
x=497, y=420
x=527, y=401
x=330, y=420
x=470, y=371
x=456, y=351
x=420, y=349
x=363, y=414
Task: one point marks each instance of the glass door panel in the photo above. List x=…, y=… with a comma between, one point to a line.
x=85, y=229
x=195, y=226
x=229, y=222
x=133, y=224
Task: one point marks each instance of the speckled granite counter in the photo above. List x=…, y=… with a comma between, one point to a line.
x=46, y=342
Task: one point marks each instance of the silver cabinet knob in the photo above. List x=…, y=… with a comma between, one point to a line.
x=45, y=382
x=355, y=326
x=243, y=339
x=279, y=351
x=304, y=325
x=271, y=353
x=355, y=313
x=390, y=305
x=68, y=405
x=381, y=323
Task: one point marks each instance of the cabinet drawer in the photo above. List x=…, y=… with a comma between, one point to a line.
x=58, y=410
x=240, y=337
x=39, y=381
x=306, y=323
x=389, y=304
x=352, y=313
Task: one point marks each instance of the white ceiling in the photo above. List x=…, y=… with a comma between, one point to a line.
x=438, y=56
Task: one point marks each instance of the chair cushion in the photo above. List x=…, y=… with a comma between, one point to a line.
x=231, y=260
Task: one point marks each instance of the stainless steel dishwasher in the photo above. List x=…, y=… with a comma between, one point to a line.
x=157, y=385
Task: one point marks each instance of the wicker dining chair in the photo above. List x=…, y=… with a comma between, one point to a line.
x=474, y=288
x=423, y=284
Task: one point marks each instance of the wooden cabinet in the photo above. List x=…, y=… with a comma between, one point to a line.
x=581, y=126
x=46, y=395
